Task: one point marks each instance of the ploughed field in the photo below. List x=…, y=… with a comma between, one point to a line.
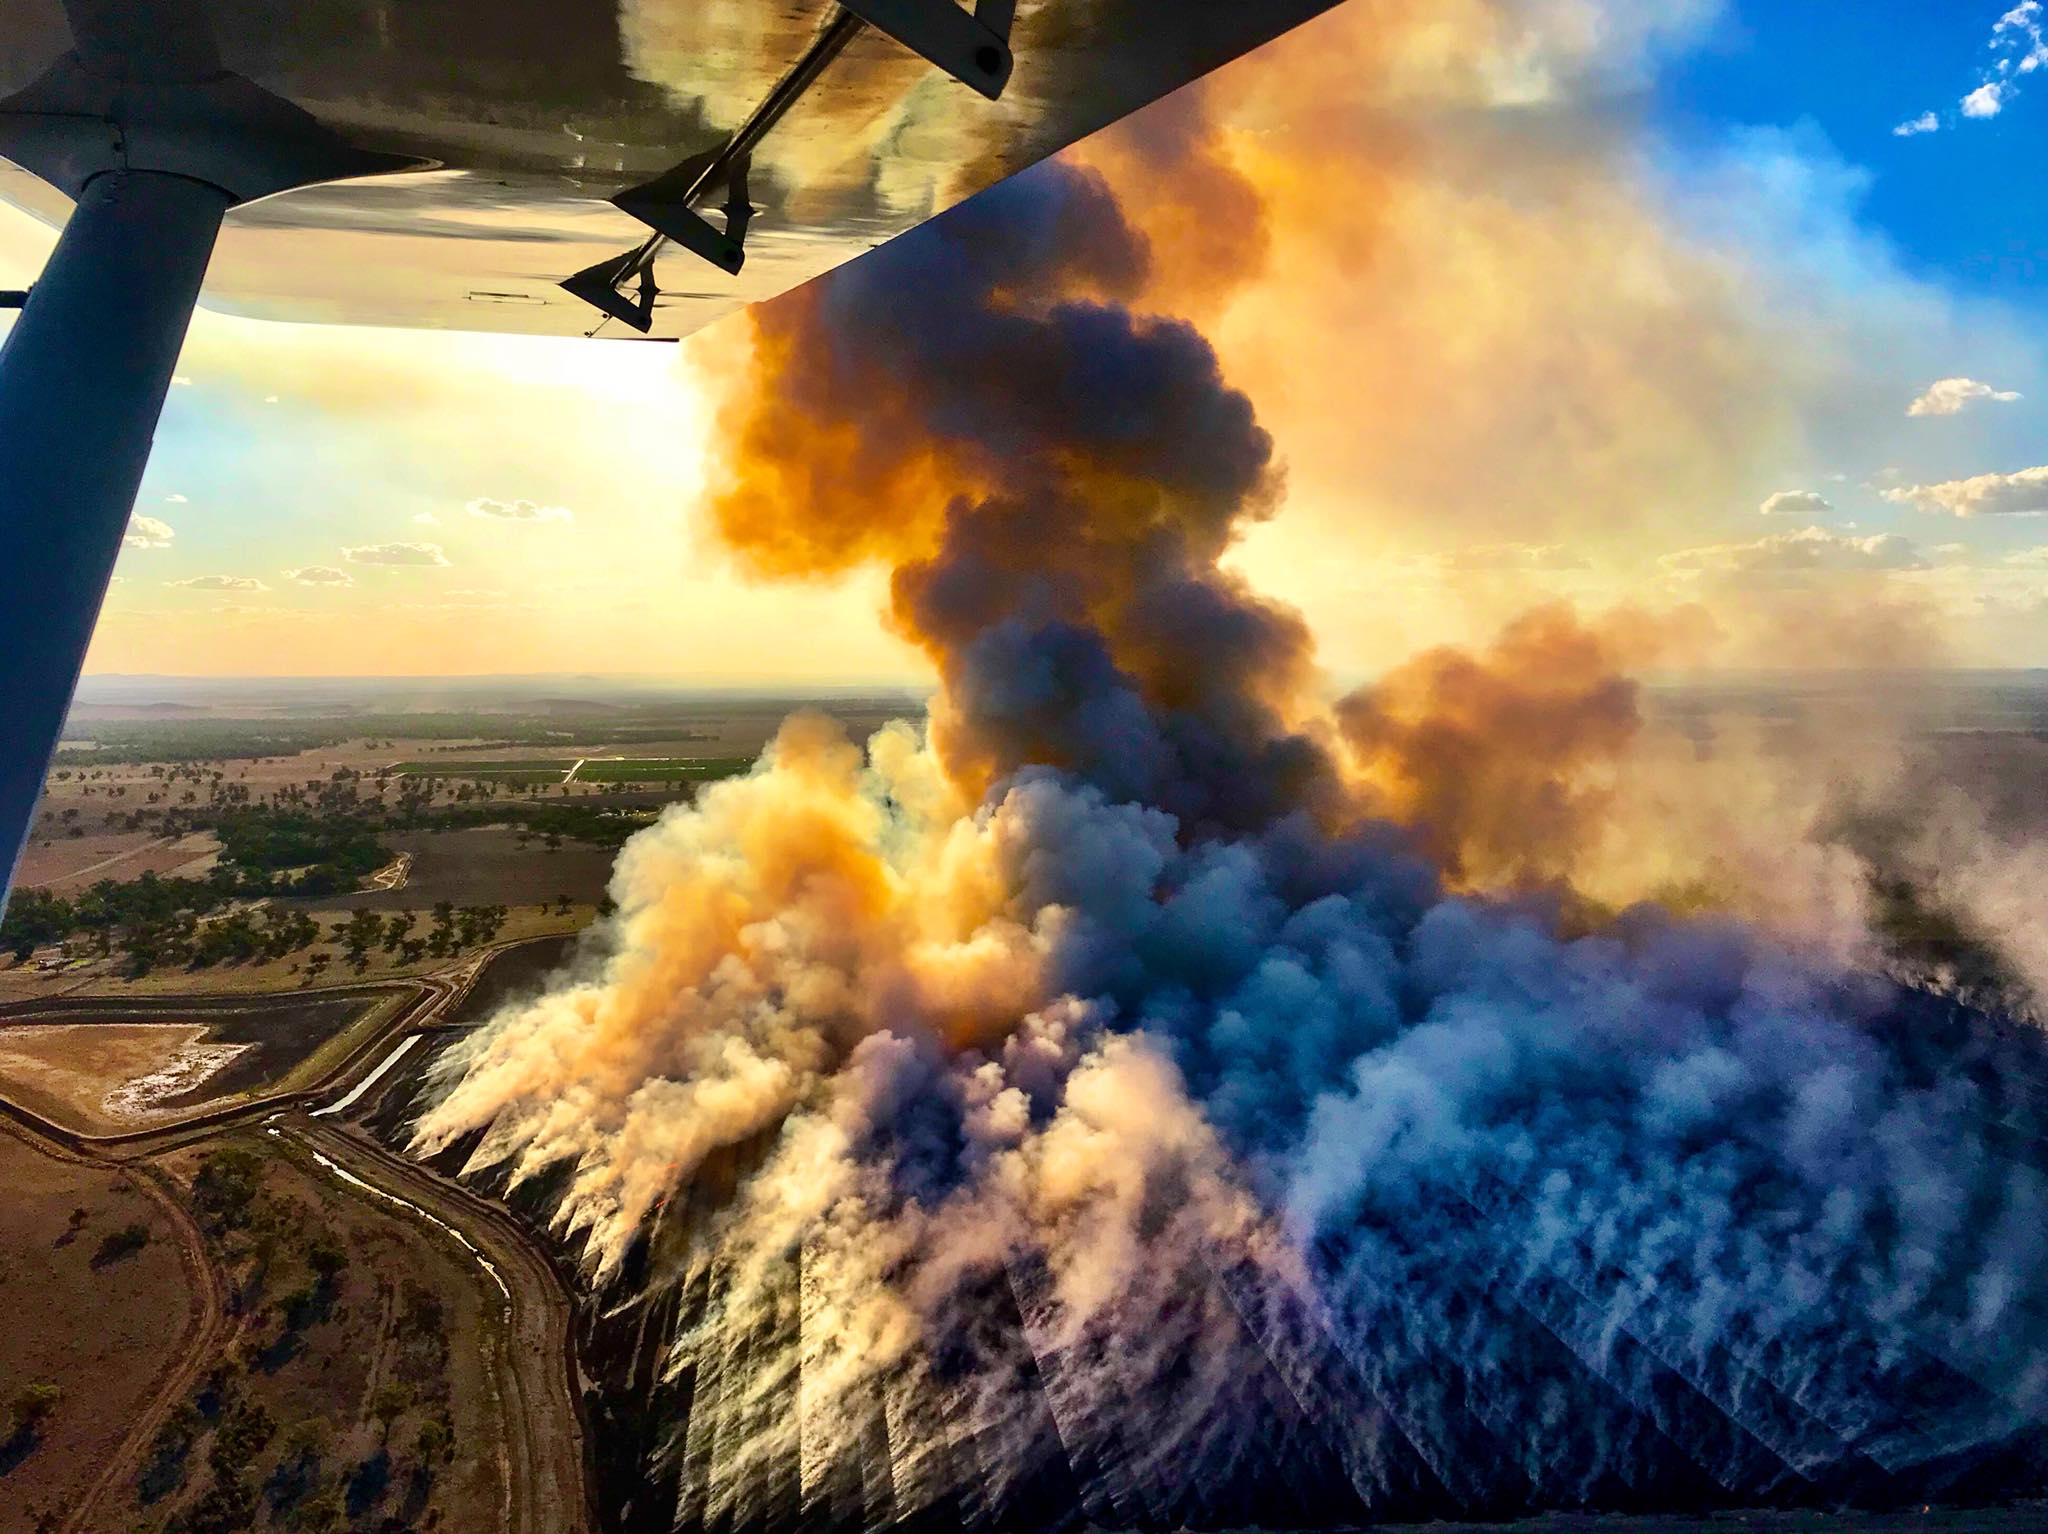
x=483, y=865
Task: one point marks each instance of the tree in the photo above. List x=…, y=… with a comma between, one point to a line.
x=130, y=1238
x=32, y=1406
x=389, y=1404
x=321, y=1514
x=363, y=929
x=437, y=1440
x=326, y=1257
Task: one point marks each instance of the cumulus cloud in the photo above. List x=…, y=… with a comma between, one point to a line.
x=1948, y=396
x=1801, y=503
x=148, y=533
x=395, y=554
x=2019, y=49
x=175, y=499
x=518, y=511
x=2021, y=494
x=320, y=575
x=220, y=583
x=1811, y=548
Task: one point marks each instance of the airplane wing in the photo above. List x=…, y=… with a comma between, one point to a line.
x=557, y=167
x=539, y=113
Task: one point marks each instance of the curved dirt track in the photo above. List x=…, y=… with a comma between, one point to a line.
x=543, y=1418
x=549, y=1489
x=206, y=1329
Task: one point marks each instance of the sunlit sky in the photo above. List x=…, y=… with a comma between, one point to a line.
x=1738, y=305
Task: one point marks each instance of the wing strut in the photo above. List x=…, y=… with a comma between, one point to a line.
x=155, y=141
x=973, y=48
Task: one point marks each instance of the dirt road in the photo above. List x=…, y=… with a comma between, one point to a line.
x=546, y=1460
x=549, y=1490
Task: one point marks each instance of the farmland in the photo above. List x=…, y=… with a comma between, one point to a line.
x=220, y=837
x=522, y=771
x=517, y=770
x=664, y=769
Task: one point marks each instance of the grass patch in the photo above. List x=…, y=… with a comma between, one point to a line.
x=494, y=772
x=663, y=769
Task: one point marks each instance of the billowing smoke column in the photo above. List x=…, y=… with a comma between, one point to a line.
x=1095, y=1108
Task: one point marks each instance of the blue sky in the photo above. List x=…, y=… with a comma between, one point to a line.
x=1966, y=203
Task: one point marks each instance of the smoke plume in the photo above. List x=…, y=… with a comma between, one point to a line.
x=1148, y=1097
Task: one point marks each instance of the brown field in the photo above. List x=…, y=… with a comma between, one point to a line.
x=735, y=728
x=486, y=865
x=68, y=864
x=102, y=1078
x=409, y=1311
x=101, y=1326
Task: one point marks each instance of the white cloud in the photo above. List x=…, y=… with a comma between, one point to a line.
x=1987, y=100
x=175, y=499
x=1796, y=503
x=395, y=554
x=1809, y=549
x=181, y=380
x=320, y=575
x=220, y=583
x=2024, y=494
x=1947, y=396
x=2018, y=47
x=147, y=533
x=518, y=511
x=426, y=519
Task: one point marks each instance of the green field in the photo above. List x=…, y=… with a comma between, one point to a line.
x=524, y=771
x=663, y=769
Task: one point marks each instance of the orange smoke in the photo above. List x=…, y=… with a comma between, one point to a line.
x=1504, y=760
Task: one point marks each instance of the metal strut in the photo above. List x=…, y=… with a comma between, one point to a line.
x=974, y=49
x=82, y=380
x=154, y=140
